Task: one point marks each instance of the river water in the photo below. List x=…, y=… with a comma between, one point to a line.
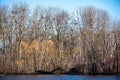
x=59, y=77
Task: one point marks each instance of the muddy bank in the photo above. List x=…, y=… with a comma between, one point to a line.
x=57, y=71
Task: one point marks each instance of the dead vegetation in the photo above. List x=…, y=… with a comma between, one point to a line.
x=48, y=39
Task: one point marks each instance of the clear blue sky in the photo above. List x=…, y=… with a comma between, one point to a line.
x=112, y=6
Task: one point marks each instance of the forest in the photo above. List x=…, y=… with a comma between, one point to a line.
x=46, y=39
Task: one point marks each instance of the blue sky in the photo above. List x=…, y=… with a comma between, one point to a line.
x=112, y=6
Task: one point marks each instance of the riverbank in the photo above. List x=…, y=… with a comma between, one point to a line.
x=59, y=71
x=50, y=73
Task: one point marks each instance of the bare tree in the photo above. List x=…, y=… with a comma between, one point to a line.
x=50, y=39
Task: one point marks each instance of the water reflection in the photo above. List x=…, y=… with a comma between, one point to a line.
x=59, y=77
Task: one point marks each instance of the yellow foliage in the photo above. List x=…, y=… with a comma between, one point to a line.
x=25, y=45
x=35, y=45
x=20, y=63
x=49, y=46
x=50, y=43
x=75, y=50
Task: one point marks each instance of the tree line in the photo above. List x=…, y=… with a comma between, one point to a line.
x=49, y=38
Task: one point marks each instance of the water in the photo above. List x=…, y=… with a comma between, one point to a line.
x=59, y=77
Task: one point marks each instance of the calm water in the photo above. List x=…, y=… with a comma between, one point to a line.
x=59, y=77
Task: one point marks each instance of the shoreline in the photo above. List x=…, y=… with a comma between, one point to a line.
x=5, y=74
